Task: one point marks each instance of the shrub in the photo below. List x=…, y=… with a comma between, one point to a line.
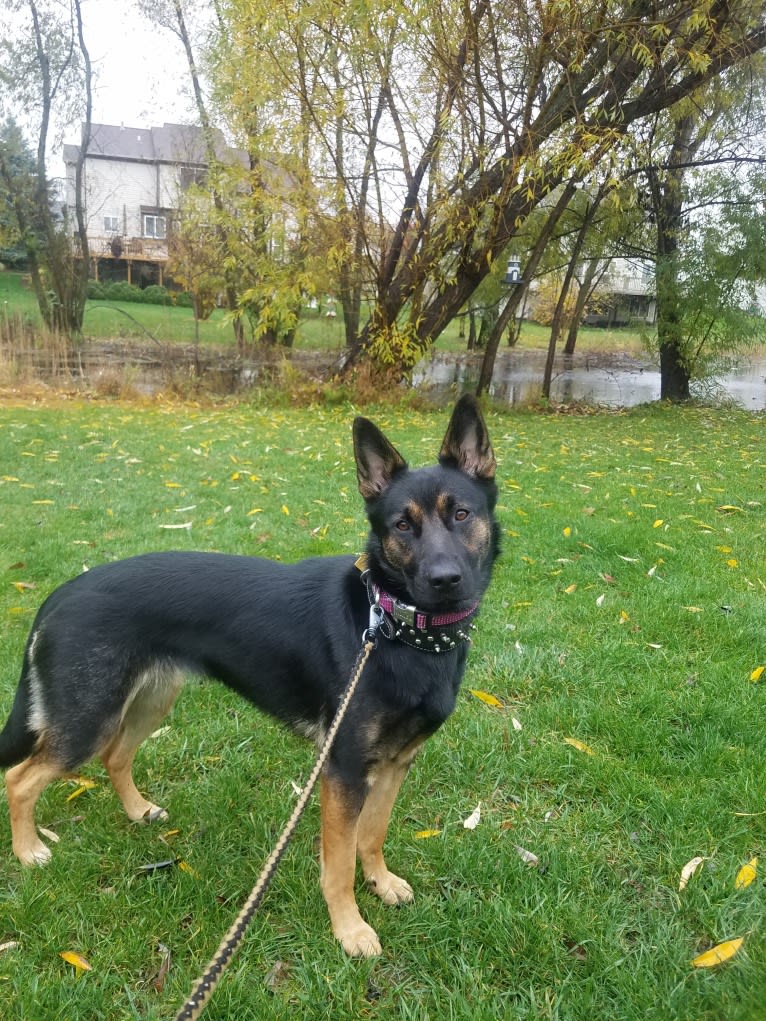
x=156, y=295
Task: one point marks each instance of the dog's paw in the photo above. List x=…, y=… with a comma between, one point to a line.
x=390, y=888
x=360, y=940
x=149, y=813
x=34, y=854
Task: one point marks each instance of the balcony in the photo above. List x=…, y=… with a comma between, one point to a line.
x=120, y=246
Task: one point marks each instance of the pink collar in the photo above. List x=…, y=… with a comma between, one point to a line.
x=419, y=619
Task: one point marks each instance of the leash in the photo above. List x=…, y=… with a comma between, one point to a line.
x=207, y=982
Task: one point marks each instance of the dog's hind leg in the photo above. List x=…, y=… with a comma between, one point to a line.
x=340, y=815
x=152, y=699
x=373, y=826
x=25, y=783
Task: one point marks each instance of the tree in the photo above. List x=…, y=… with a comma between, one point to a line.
x=46, y=72
x=438, y=128
x=714, y=126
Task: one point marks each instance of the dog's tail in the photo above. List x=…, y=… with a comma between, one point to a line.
x=17, y=741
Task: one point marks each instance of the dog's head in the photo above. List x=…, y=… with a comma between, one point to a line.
x=433, y=536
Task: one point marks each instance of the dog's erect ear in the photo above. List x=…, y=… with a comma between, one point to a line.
x=377, y=460
x=466, y=443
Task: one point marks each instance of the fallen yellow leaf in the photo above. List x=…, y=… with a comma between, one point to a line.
x=426, y=834
x=484, y=696
x=756, y=674
x=718, y=954
x=579, y=745
x=78, y=962
x=746, y=874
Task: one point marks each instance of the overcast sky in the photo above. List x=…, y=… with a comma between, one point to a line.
x=141, y=70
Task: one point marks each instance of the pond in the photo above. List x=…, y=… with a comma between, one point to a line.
x=616, y=380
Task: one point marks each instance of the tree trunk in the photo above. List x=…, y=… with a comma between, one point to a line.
x=587, y=286
x=518, y=293
x=668, y=198
x=558, y=314
x=230, y=285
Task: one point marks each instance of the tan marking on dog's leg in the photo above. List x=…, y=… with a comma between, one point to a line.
x=142, y=716
x=373, y=827
x=25, y=783
x=338, y=866
x=371, y=835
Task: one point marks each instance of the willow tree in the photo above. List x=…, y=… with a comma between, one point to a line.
x=432, y=130
x=45, y=75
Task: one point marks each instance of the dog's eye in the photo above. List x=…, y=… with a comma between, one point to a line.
x=461, y=514
x=403, y=525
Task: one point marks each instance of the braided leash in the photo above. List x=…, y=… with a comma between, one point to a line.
x=207, y=982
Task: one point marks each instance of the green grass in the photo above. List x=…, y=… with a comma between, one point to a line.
x=105, y=320
x=659, y=511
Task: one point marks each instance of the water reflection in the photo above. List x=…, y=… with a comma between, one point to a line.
x=615, y=380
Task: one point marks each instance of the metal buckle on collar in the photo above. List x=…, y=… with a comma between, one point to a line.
x=404, y=613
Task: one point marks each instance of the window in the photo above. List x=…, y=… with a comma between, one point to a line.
x=154, y=226
x=111, y=224
x=193, y=175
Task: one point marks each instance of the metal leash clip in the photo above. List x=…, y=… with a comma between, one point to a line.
x=377, y=616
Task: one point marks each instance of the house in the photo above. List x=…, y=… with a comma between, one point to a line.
x=133, y=181
x=624, y=296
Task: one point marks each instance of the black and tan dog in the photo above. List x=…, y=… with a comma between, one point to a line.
x=108, y=650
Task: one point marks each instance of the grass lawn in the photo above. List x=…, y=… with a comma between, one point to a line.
x=626, y=615
x=123, y=320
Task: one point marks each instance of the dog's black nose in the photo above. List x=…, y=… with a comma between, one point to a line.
x=445, y=579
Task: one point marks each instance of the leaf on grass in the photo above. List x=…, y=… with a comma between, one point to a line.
x=628, y=560
x=756, y=674
x=473, y=819
x=579, y=745
x=83, y=785
x=658, y=523
x=427, y=834
x=161, y=731
x=718, y=954
x=693, y=609
x=571, y=588
x=729, y=508
x=528, y=857
x=516, y=724
x=277, y=975
x=689, y=869
x=185, y=524
x=49, y=834
x=184, y=866
x=567, y=532
x=158, y=866
x=78, y=962
x=484, y=696
x=600, y=599
x=746, y=874
x=10, y=945
x=158, y=981
x=24, y=586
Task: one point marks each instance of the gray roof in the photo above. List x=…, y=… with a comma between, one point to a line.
x=172, y=143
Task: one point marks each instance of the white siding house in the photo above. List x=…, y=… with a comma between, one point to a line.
x=133, y=181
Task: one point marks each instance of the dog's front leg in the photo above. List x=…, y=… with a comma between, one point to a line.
x=341, y=806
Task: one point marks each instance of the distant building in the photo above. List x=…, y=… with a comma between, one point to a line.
x=625, y=296
x=133, y=180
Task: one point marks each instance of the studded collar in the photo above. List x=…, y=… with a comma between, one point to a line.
x=429, y=632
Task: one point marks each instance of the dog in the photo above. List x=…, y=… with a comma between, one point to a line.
x=108, y=650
